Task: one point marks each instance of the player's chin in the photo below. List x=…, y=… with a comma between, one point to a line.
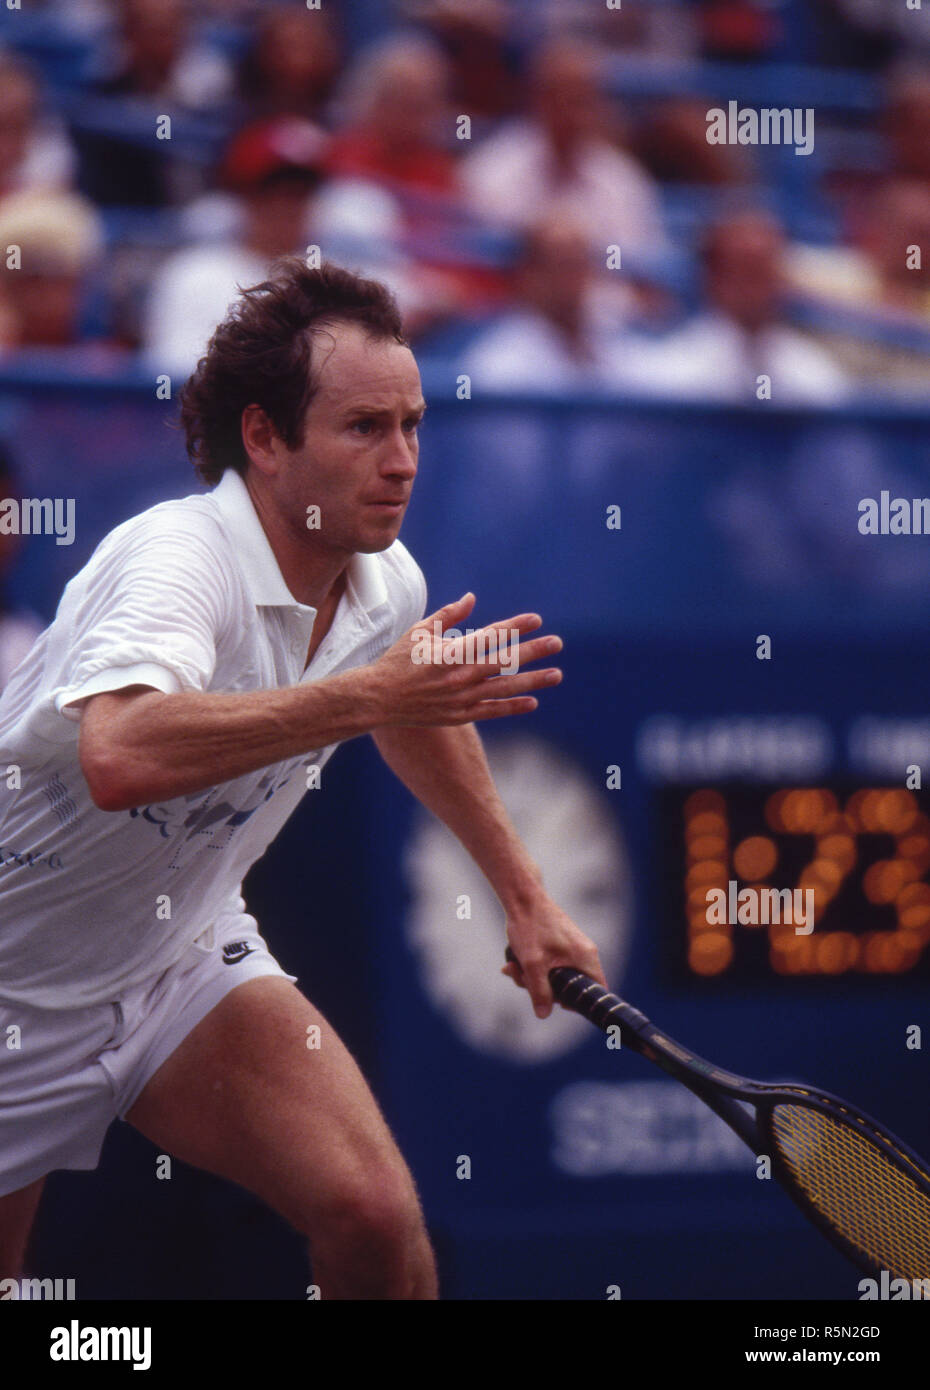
x=378, y=536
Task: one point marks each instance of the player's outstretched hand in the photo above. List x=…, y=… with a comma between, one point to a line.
x=426, y=678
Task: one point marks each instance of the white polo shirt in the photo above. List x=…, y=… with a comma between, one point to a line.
x=186, y=596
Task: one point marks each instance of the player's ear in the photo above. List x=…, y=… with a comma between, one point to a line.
x=260, y=439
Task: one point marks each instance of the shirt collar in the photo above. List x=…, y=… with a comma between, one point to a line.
x=257, y=559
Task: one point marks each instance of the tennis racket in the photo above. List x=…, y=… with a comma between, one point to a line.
x=861, y=1185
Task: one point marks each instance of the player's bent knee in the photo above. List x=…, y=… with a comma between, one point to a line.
x=375, y=1207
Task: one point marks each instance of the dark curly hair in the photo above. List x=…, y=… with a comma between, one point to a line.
x=261, y=355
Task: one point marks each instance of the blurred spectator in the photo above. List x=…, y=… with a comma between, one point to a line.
x=290, y=65
x=868, y=33
x=875, y=272
x=907, y=122
x=473, y=34
x=395, y=123
x=155, y=55
x=281, y=203
x=563, y=152
x=653, y=29
x=739, y=335
x=155, y=67
x=34, y=150
x=18, y=627
x=673, y=146
x=739, y=29
x=558, y=338
x=874, y=288
x=397, y=134
x=272, y=168
x=898, y=218
x=560, y=335
x=61, y=240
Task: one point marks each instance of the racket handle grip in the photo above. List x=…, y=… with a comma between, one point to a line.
x=577, y=991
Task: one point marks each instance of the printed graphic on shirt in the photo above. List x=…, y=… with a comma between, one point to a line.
x=208, y=823
x=28, y=858
x=62, y=805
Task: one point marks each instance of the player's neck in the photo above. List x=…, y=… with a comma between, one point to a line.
x=312, y=571
x=313, y=575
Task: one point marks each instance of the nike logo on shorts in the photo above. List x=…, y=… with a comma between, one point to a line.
x=234, y=951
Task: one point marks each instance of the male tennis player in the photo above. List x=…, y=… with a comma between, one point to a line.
x=211, y=651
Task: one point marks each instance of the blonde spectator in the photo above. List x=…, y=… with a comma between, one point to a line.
x=60, y=241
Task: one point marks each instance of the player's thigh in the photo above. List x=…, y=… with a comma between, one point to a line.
x=264, y=1092
x=17, y=1214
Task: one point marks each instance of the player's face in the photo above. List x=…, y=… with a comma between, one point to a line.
x=359, y=454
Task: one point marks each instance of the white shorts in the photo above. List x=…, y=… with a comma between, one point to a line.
x=75, y=1071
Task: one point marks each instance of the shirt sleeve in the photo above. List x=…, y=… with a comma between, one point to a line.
x=150, y=613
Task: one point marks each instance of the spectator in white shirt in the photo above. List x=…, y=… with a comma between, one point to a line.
x=156, y=54
x=558, y=338
x=561, y=330
x=739, y=337
x=565, y=152
x=35, y=153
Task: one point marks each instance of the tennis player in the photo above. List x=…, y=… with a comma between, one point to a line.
x=211, y=654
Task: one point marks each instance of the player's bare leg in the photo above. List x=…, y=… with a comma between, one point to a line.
x=17, y=1213
x=245, y=1098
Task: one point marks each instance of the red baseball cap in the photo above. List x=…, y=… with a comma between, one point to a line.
x=265, y=148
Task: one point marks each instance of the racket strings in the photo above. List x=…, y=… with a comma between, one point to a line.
x=855, y=1185
x=884, y=1140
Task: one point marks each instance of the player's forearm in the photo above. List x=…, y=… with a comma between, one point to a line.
x=446, y=769
x=137, y=748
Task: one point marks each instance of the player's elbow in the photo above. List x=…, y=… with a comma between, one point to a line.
x=109, y=753
x=106, y=798
x=106, y=781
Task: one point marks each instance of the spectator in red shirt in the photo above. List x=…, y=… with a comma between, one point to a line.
x=398, y=133
x=397, y=127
